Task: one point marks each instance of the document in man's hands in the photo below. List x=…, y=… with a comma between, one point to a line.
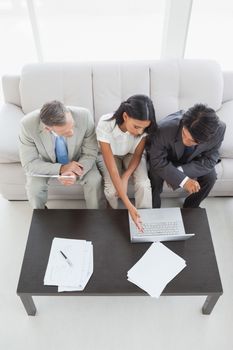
x=157, y=267
x=70, y=264
x=55, y=176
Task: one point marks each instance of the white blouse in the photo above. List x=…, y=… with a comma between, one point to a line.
x=121, y=142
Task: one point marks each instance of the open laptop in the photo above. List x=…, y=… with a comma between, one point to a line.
x=163, y=224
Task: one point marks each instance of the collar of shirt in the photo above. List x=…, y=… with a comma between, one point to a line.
x=54, y=135
x=118, y=132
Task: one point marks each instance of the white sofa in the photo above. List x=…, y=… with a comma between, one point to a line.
x=100, y=87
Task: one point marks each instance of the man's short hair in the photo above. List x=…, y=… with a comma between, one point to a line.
x=201, y=121
x=53, y=113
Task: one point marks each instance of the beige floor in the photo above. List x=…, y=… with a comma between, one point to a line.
x=113, y=323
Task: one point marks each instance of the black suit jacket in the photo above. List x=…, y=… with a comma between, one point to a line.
x=167, y=149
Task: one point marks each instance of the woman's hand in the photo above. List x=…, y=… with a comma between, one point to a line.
x=136, y=218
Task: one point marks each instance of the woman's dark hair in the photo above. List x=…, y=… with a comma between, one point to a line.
x=138, y=107
x=201, y=121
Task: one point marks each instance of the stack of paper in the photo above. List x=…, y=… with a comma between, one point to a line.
x=70, y=264
x=158, y=266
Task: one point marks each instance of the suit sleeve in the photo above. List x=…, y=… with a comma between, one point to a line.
x=89, y=148
x=160, y=164
x=206, y=162
x=30, y=158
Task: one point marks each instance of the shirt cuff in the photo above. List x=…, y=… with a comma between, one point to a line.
x=185, y=179
x=184, y=182
x=102, y=139
x=180, y=168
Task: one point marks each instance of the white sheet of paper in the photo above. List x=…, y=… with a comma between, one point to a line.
x=55, y=176
x=86, y=272
x=58, y=271
x=157, y=267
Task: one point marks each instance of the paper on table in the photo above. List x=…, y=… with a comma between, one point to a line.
x=86, y=271
x=58, y=272
x=157, y=267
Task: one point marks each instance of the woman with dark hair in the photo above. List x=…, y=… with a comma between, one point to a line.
x=122, y=138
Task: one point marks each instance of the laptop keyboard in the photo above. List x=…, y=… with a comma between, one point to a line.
x=161, y=228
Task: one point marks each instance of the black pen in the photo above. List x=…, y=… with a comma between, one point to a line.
x=67, y=260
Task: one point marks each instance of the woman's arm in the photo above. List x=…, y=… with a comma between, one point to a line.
x=135, y=159
x=117, y=182
x=113, y=171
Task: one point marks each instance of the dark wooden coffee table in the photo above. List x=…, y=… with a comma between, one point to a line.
x=114, y=255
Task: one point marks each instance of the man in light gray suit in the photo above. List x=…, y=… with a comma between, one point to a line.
x=184, y=152
x=59, y=140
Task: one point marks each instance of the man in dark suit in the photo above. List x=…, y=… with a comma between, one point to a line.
x=184, y=152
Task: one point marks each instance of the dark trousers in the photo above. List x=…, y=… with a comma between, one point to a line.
x=193, y=200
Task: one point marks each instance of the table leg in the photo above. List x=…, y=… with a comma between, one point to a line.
x=28, y=304
x=210, y=302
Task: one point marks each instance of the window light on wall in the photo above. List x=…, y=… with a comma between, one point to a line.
x=100, y=30
x=210, y=31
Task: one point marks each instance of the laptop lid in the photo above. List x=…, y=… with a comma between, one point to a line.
x=163, y=224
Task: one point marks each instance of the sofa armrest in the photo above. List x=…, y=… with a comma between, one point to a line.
x=10, y=116
x=225, y=113
x=10, y=86
x=228, y=86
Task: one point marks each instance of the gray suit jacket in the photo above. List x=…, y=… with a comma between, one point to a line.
x=36, y=145
x=167, y=149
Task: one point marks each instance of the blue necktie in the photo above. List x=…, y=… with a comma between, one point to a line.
x=61, y=150
x=188, y=150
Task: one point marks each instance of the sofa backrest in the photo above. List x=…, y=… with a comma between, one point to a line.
x=100, y=87
x=69, y=83
x=179, y=84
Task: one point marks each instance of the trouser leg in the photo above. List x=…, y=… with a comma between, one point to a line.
x=92, y=188
x=206, y=183
x=37, y=191
x=157, y=188
x=142, y=186
x=109, y=188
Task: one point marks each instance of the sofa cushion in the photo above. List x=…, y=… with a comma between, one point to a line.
x=69, y=83
x=179, y=84
x=165, y=87
x=115, y=82
x=201, y=81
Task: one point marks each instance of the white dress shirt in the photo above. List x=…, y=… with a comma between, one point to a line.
x=121, y=142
